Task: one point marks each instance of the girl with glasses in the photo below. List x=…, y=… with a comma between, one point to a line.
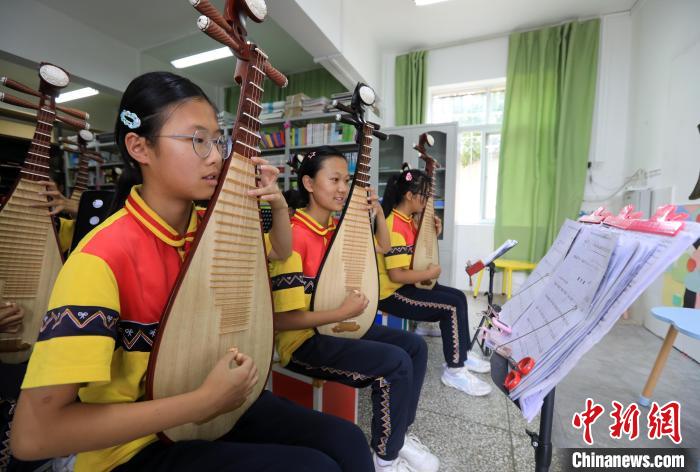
x=106, y=307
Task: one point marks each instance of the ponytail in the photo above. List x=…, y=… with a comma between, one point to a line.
x=391, y=196
x=398, y=185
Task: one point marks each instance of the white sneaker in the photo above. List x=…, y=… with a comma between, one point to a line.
x=476, y=364
x=461, y=379
x=429, y=329
x=418, y=455
x=397, y=465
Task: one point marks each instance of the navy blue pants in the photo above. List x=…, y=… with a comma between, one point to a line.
x=444, y=304
x=273, y=435
x=392, y=361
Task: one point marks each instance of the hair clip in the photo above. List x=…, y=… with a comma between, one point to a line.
x=130, y=119
x=311, y=154
x=295, y=161
x=408, y=176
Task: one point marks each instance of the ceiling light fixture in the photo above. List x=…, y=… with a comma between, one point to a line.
x=202, y=57
x=76, y=94
x=422, y=3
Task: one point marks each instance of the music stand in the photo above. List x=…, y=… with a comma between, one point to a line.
x=542, y=441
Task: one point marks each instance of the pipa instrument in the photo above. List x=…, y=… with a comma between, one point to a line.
x=222, y=298
x=78, y=144
x=350, y=263
x=425, y=249
x=29, y=253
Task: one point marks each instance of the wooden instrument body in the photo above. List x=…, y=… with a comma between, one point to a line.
x=29, y=264
x=350, y=263
x=223, y=297
x=29, y=251
x=425, y=248
x=223, y=301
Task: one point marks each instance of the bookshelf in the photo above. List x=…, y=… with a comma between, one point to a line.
x=282, y=137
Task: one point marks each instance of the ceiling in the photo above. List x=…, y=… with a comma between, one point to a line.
x=166, y=30
x=399, y=25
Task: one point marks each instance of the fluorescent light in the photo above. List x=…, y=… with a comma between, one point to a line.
x=76, y=94
x=420, y=3
x=202, y=57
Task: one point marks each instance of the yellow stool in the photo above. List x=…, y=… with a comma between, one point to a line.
x=508, y=267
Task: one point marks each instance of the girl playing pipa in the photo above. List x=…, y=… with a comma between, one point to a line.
x=391, y=361
x=405, y=198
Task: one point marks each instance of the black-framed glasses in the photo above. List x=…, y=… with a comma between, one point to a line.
x=203, y=142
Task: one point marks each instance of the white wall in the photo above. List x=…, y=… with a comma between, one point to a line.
x=471, y=62
x=664, y=113
x=332, y=32
x=609, y=152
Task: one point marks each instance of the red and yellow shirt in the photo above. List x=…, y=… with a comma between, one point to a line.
x=402, y=232
x=293, y=278
x=104, y=313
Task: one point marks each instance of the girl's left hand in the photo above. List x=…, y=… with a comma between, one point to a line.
x=373, y=205
x=267, y=190
x=438, y=226
x=56, y=201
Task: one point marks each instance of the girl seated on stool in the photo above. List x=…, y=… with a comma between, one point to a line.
x=405, y=196
x=391, y=361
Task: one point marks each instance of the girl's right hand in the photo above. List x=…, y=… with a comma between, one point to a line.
x=229, y=384
x=434, y=271
x=354, y=304
x=11, y=315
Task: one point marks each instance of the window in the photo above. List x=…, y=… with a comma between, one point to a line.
x=478, y=108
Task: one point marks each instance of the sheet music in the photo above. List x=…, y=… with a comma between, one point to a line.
x=637, y=260
x=564, y=299
x=627, y=258
x=538, y=278
x=502, y=249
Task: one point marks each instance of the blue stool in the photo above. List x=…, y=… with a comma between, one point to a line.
x=685, y=320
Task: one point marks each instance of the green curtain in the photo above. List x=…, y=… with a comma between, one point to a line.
x=410, y=88
x=546, y=134
x=314, y=83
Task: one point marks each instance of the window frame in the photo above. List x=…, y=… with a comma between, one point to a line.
x=487, y=86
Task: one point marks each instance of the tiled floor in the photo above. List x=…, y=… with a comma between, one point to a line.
x=488, y=433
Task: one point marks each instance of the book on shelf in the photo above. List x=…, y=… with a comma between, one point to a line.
x=314, y=106
x=271, y=107
x=271, y=115
x=318, y=134
x=272, y=139
x=294, y=105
